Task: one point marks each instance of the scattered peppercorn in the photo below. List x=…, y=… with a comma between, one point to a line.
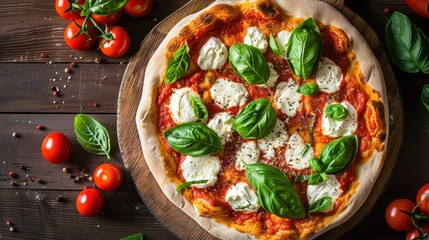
x=65, y=170
x=12, y=174
x=12, y=183
x=72, y=64
x=97, y=60
x=83, y=170
x=82, y=107
x=12, y=229
x=24, y=168
x=24, y=183
x=39, y=127
x=15, y=135
x=40, y=181
x=60, y=199
x=90, y=178
x=79, y=178
x=66, y=70
x=58, y=106
x=386, y=10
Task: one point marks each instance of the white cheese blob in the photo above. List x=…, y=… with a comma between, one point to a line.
x=242, y=198
x=328, y=76
x=180, y=106
x=213, y=54
x=287, y=98
x=255, y=37
x=222, y=124
x=328, y=188
x=201, y=168
x=248, y=153
x=282, y=40
x=345, y=127
x=277, y=138
x=294, y=153
x=272, y=80
x=227, y=94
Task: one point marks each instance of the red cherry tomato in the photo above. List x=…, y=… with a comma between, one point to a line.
x=138, y=8
x=108, y=177
x=56, y=148
x=90, y=202
x=62, y=5
x=419, y=6
x=107, y=20
x=421, y=197
x=119, y=45
x=396, y=219
x=412, y=234
x=81, y=42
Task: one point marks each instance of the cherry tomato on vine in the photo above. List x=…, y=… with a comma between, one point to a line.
x=119, y=45
x=138, y=8
x=419, y=6
x=107, y=20
x=56, y=148
x=423, y=196
x=90, y=202
x=62, y=7
x=108, y=177
x=396, y=219
x=412, y=234
x=81, y=42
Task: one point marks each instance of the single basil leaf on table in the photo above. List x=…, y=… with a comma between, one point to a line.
x=276, y=193
x=305, y=47
x=256, y=120
x=320, y=205
x=199, y=108
x=406, y=44
x=336, y=112
x=337, y=155
x=189, y=184
x=107, y=7
x=274, y=46
x=425, y=96
x=91, y=135
x=193, y=139
x=178, y=65
x=249, y=63
x=137, y=236
x=308, y=89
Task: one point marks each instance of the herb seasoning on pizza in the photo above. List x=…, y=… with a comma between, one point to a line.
x=269, y=118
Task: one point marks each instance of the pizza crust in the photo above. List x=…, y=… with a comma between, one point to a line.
x=148, y=129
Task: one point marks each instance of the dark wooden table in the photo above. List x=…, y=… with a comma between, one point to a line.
x=33, y=57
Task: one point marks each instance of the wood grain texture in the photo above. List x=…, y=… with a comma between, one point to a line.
x=148, y=188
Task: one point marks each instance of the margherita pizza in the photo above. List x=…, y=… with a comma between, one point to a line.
x=264, y=119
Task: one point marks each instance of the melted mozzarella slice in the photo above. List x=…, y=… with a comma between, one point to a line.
x=328, y=76
x=213, y=54
x=248, y=153
x=282, y=40
x=242, y=198
x=340, y=128
x=222, y=124
x=328, y=188
x=287, y=98
x=201, y=168
x=255, y=37
x=227, y=94
x=294, y=156
x=277, y=138
x=180, y=106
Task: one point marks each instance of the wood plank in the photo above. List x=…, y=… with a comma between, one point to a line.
x=37, y=214
x=30, y=28
x=28, y=87
x=25, y=151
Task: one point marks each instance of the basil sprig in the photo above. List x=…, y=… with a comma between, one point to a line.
x=137, y=236
x=105, y=7
x=320, y=205
x=249, y=63
x=275, y=47
x=336, y=112
x=199, y=108
x=425, y=96
x=189, y=184
x=256, y=120
x=406, y=44
x=193, y=139
x=178, y=65
x=337, y=155
x=308, y=89
x=91, y=135
x=276, y=194
x=305, y=46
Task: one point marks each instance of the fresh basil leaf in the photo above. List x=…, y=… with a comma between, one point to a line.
x=337, y=155
x=256, y=120
x=320, y=205
x=406, y=44
x=425, y=96
x=178, y=65
x=107, y=7
x=336, y=112
x=305, y=46
x=193, y=139
x=91, y=135
x=275, y=47
x=189, y=184
x=137, y=236
x=276, y=193
x=316, y=165
x=316, y=178
x=308, y=89
x=199, y=108
x=249, y=63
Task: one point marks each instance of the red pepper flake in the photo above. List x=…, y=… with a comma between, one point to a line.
x=57, y=93
x=11, y=174
x=72, y=64
x=386, y=10
x=42, y=55
x=30, y=179
x=95, y=104
x=58, y=106
x=40, y=127
x=8, y=222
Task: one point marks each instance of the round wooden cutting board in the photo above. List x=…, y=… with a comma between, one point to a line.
x=167, y=213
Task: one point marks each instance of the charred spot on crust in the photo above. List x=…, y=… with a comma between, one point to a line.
x=226, y=12
x=267, y=10
x=379, y=108
x=206, y=18
x=173, y=46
